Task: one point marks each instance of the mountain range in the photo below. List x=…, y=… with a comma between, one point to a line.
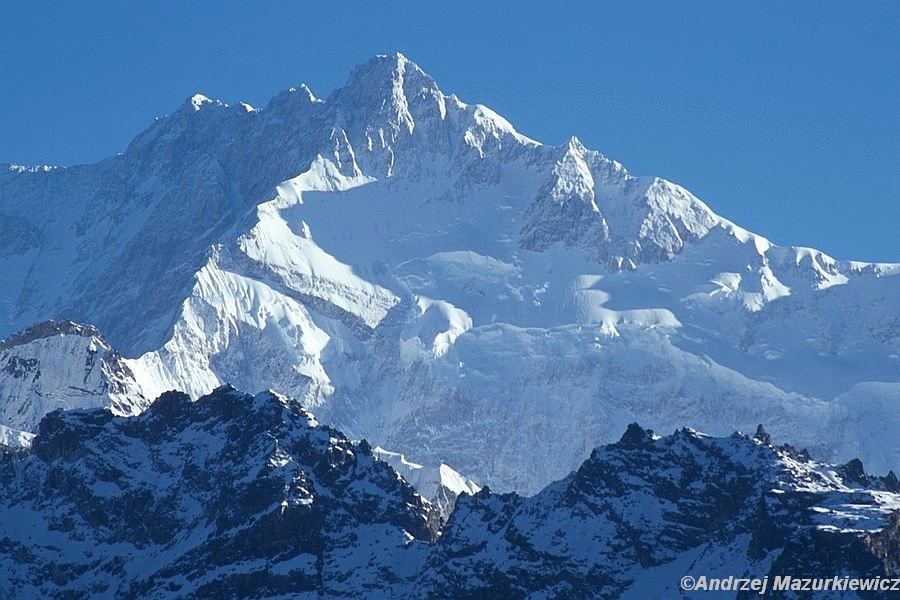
x=239, y=496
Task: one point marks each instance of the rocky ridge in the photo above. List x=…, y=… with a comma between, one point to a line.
x=234, y=495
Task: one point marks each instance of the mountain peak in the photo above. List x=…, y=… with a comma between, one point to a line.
x=635, y=436
x=307, y=93
x=383, y=101
x=198, y=101
x=386, y=78
x=396, y=57
x=47, y=329
x=395, y=62
x=62, y=364
x=573, y=144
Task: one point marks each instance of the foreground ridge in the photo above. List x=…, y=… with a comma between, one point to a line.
x=228, y=495
x=248, y=495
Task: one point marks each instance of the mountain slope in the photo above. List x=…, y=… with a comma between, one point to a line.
x=424, y=276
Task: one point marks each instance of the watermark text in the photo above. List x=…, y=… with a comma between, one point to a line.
x=781, y=583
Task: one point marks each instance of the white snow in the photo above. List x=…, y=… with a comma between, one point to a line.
x=433, y=482
x=15, y=438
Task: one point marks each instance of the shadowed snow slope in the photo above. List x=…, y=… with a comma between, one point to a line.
x=427, y=278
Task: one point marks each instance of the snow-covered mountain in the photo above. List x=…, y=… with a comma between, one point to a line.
x=60, y=365
x=242, y=496
x=421, y=275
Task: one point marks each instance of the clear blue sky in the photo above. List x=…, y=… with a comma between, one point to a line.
x=782, y=116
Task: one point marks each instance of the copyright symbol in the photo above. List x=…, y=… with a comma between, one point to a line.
x=687, y=583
